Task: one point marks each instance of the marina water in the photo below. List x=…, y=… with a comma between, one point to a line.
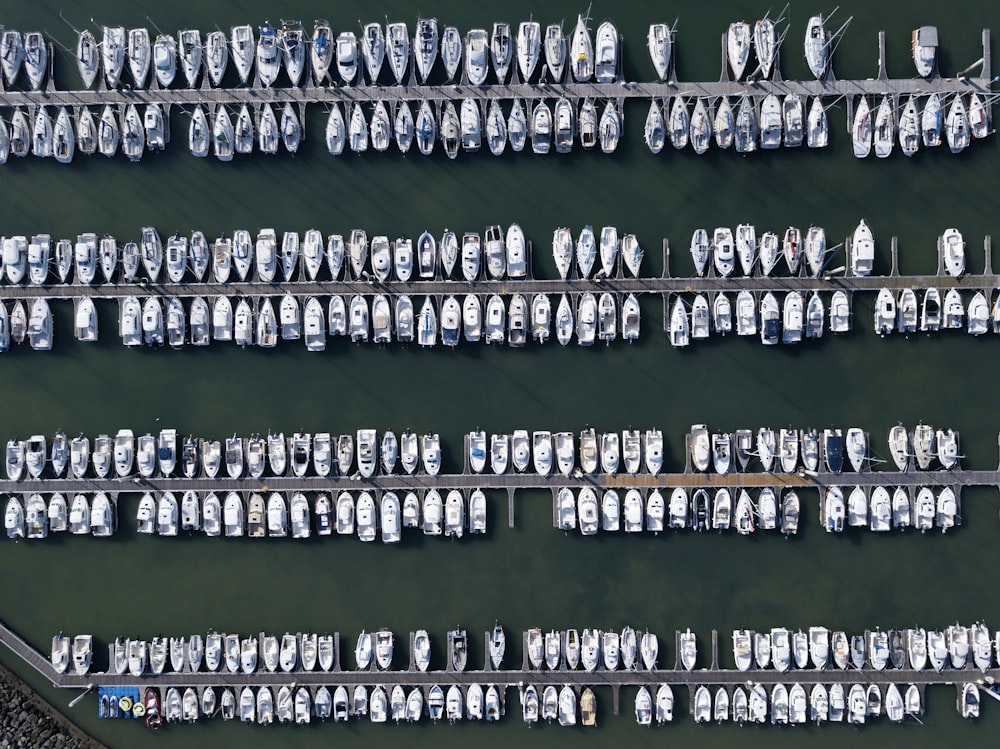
x=530, y=575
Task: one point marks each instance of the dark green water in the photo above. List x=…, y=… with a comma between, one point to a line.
x=531, y=575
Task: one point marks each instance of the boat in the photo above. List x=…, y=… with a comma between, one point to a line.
x=476, y=56
x=953, y=252
x=425, y=46
x=862, y=130
x=817, y=47
x=909, y=128
x=606, y=58
x=501, y=50
x=567, y=707
x=679, y=123
x=738, y=47
x=649, y=649
x=654, y=131
x=556, y=51
x=924, y=47
x=724, y=124
x=581, y=52
x=884, y=131
x=397, y=40
x=680, y=332
x=932, y=121
x=451, y=51
x=529, y=47
x=765, y=45
x=978, y=116
x=701, y=128
x=956, y=126
x=770, y=124
x=659, y=43
x=373, y=47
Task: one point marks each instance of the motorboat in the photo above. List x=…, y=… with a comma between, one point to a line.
x=862, y=250
x=953, y=252
x=606, y=62
x=476, y=56
x=770, y=122
x=924, y=47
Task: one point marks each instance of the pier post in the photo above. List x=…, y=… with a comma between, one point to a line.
x=450, y=663
x=715, y=650
x=986, y=73
x=525, y=661
x=336, y=652
x=940, y=257
x=881, y=56
x=666, y=258
x=894, y=251
x=510, y=507
x=466, y=443
x=615, y=699
x=413, y=665
x=677, y=650
x=724, y=75
x=487, y=662
x=988, y=253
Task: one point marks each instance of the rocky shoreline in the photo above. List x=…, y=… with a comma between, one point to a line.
x=28, y=721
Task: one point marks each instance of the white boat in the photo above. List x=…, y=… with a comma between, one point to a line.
x=738, y=47
x=555, y=51
x=909, y=128
x=817, y=47
x=451, y=51
x=724, y=124
x=770, y=124
x=373, y=50
x=529, y=47
x=953, y=252
x=884, y=130
x=581, y=52
x=956, y=126
x=659, y=43
x=606, y=61
x=862, y=130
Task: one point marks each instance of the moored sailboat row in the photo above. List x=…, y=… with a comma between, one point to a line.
x=344, y=513
x=700, y=509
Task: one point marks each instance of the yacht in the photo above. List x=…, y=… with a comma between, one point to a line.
x=373, y=47
x=884, y=130
x=425, y=46
x=189, y=50
x=87, y=55
x=654, y=131
x=476, y=56
x=607, y=48
x=556, y=51
x=451, y=51
x=957, y=126
x=862, y=130
x=659, y=43
x=501, y=50
x=724, y=124
x=581, y=52
x=817, y=47
x=924, y=48
x=791, y=331
x=953, y=252
x=793, y=120
x=738, y=47
x=541, y=128
x=528, y=49
x=679, y=123
x=770, y=122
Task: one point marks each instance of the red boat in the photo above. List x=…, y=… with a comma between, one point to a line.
x=152, y=701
